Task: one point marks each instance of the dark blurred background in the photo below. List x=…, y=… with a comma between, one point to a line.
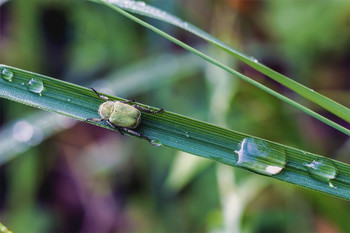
x=60, y=175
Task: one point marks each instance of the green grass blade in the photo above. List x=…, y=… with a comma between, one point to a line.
x=237, y=74
x=186, y=134
x=153, y=12
x=133, y=80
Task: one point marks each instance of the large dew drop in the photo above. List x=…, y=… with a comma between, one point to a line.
x=257, y=156
x=322, y=169
x=6, y=74
x=35, y=85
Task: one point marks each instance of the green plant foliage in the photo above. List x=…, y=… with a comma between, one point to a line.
x=186, y=134
x=58, y=174
x=141, y=8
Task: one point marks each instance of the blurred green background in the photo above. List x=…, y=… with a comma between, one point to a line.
x=60, y=175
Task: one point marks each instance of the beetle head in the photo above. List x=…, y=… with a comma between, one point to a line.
x=106, y=109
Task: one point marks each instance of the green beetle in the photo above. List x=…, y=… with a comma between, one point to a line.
x=121, y=116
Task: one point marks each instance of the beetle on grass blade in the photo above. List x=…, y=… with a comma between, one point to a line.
x=121, y=116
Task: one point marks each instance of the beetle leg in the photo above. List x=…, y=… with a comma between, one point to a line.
x=127, y=101
x=114, y=127
x=137, y=134
x=147, y=110
x=99, y=95
x=94, y=119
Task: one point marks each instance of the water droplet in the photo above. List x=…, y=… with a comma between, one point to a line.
x=7, y=74
x=22, y=83
x=322, y=169
x=258, y=157
x=155, y=143
x=35, y=85
x=68, y=100
x=187, y=134
x=254, y=59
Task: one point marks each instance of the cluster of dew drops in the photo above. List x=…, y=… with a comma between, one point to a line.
x=256, y=155
x=34, y=85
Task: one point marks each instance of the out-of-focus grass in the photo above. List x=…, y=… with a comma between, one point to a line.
x=83, y=187
x=333, y=107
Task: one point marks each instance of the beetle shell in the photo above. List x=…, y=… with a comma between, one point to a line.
x=120, y=114
x=106, y=109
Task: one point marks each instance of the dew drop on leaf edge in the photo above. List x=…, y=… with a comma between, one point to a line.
x=155, y=143
x=7, y=74
x=257, y=156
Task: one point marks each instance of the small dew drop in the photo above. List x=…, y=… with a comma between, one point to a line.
x=187, y=134
x=155, y=143
x=322, y=169
x=68, y=100
x=254, y=59
x=35, y=85
x=256, y=156
x=7, y=74
x=22, y=83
